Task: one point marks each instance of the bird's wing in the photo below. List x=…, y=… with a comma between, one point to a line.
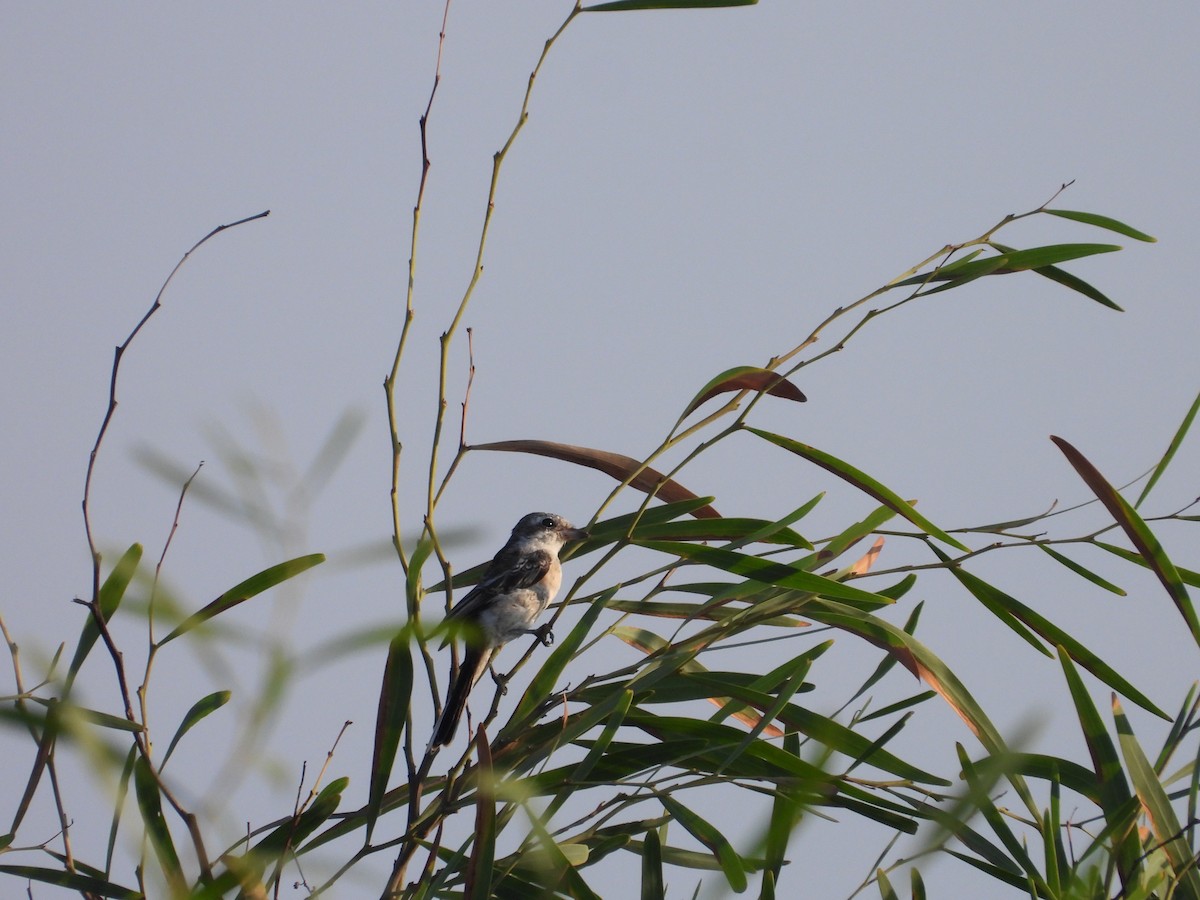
x=510, y=570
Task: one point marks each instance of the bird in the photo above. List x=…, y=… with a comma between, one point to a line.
x=518, y=585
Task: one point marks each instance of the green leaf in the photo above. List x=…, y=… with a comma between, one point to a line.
x=84, y=884
x=710, y=837
x=109, y=598
x=1101, y=222
x=201, y=708
x=860, y=480
x=1180, y=433
x=251, y=587
x=745, y=378
x=723, y=529
x=542, y=684
x=1007, y=607
x=1114, y=790
x=150, y=804
x=395, y=696
x=627, y=5
x=1163, y=821
x=776, y=573
x=478, y=879
x=652, y=871
x=1080, y=570
x=1138, y=532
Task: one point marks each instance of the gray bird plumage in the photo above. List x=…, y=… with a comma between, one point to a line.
x=517, y=587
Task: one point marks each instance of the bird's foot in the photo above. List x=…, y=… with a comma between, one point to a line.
x=544, y=634
x=501, y=680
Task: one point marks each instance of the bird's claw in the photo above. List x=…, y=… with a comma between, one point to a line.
x=545, y=635
x=501, y=680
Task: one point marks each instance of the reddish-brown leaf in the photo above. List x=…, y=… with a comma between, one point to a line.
x=747, y=378
x=620, y=467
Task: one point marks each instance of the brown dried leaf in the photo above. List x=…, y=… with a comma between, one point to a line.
x=620, y=467
x=747, y=378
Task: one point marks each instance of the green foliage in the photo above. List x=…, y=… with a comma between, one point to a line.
x=625, y=763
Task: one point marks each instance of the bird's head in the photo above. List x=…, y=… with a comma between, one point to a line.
x=546, y=530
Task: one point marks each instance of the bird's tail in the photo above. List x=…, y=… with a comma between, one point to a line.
x=474, y=663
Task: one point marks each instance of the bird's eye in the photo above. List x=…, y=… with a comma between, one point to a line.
x=547, y=522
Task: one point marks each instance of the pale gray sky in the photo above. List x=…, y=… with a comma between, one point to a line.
x=693, y=191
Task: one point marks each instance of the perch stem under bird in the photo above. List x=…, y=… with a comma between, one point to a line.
x=518, y=585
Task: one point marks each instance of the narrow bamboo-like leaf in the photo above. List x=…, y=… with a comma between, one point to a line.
x=1101, y=222
x=1067, y=280
x=622, y=468
x=860, y=480
x=478, y=877
x=981, y=778
x=889, y=661
x=967, y=273
x=917, y=884
x=1180, y=433
x=1163, y=821
x=542, y=684
x=1083, y=572
x=780, y=574
x=558, y=862
x=663, y=610
x=1055, y=635
x=111, y=593
x=71, y=712
x=1187, y=576
x=746, y=378
x=1138, y=532
x=1010, y=261
x=652, y=871
x=612, y=724
x=627, y=5
x=1114, y=790
x=850, y=536
x=395, y=694
x=119, y=804
x=251, y=587
x=293, y=831
x=150, y=804
x=922, y=662
x=886, y=891
x=710, y=837
x=201, y=708
x=720, y=530
x=75, y=881
x=787, y=807
x=1077, y=284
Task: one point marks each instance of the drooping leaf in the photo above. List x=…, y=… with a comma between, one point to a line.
x=860, y=480
x=746, y=378
x=75, y=881
x=1101, y=222
x=622, y=468
x=150, y=804
x=251, y=587
x=111, y=593
x=628, y=5
x=1082, y=571
x=710, y=837
x=1138, y=532
x=201, y=708
x=777, y=573
x=395, y=694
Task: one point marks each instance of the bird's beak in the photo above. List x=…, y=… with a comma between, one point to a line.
x=575, y=534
